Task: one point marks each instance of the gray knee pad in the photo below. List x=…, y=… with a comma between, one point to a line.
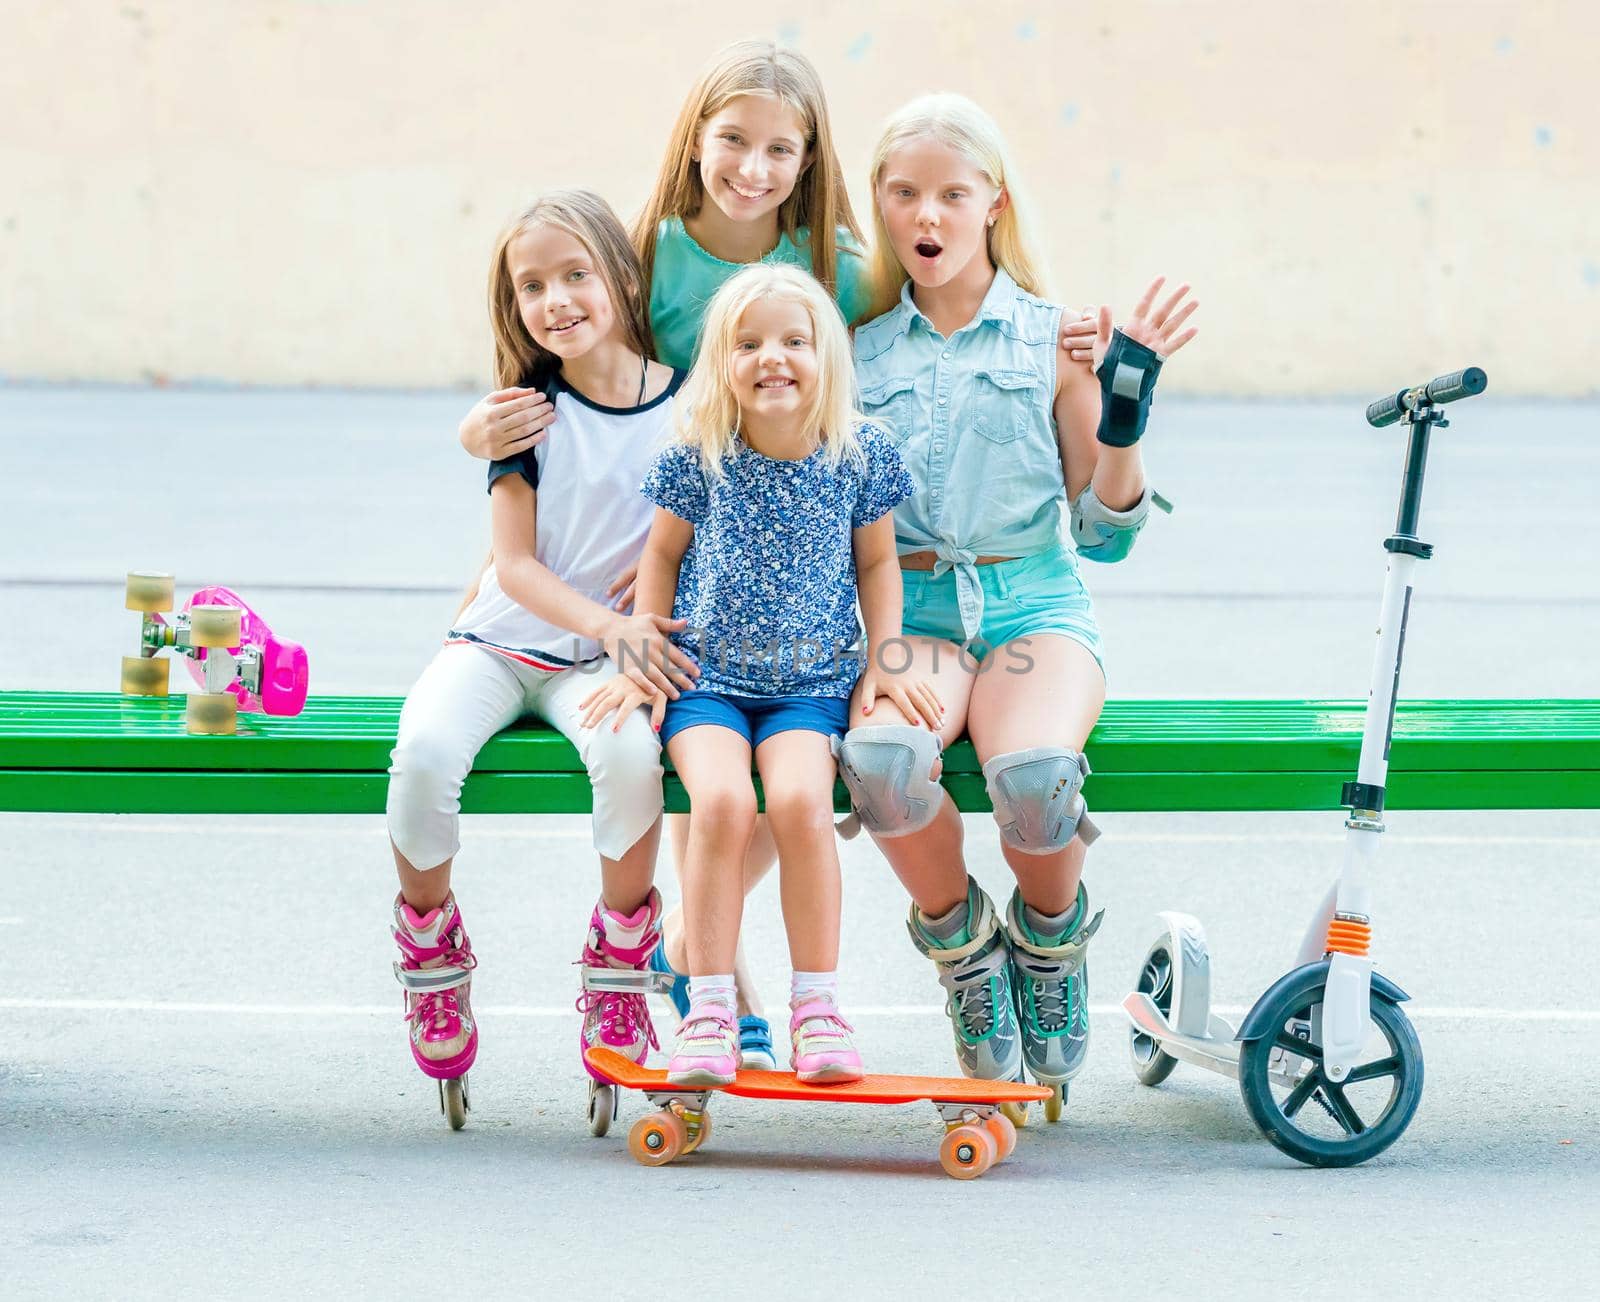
x=888, y=769
x=1036, y=800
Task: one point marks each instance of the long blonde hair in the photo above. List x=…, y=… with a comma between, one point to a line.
x=955, y=121
x=820, y=203
x=708, y=416
x=589, y=219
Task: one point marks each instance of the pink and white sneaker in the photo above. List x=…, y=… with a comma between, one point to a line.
x=823, y=1053
x=707, y=1048
x=435, y=968
x=614, y=1019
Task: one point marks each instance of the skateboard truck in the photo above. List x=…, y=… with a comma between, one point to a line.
x=232, y=654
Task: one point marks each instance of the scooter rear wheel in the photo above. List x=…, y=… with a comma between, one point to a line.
x=1314, y=1119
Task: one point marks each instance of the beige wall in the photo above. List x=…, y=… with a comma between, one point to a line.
x=288, y=192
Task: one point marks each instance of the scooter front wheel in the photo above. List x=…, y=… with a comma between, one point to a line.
x=1152, y=1064
x=1302, y=1111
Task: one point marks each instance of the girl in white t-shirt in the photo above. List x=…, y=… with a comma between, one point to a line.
x=541, y=633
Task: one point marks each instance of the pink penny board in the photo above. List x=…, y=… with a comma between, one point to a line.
x=285, y=674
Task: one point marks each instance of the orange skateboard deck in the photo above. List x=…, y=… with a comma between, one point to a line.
x=977, y=1133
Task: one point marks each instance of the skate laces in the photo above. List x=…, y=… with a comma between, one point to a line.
x=1053, y=986
x=971, y=994
x=454, y=954
x=439, y=1007
x=620, y=1016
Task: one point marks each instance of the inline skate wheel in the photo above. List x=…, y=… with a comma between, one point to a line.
x=214, y=626
x=1311, y=1117
x=211, y=714
x=967, y=1152
x=142, y=677
x=453, y=1101
x=1004, y=1135
x=1015, y=1113
x=657, y=1139
x=602, y=1107
x=148, y=591
x=1056, y=1102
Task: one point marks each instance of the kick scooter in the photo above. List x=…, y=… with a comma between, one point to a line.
x=1328, y=1064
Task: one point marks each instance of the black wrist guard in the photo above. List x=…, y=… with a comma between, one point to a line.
x=1127, y=381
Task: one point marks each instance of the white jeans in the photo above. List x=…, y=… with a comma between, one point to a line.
x=465, y=696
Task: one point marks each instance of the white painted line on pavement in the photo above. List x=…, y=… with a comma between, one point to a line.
x=193, y=826
x=1442, y=1013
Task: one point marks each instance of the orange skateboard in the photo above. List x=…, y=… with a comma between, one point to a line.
x=977, y=1133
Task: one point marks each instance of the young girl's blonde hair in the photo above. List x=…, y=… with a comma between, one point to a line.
x=820, y=203
x=708, y=409
x=957, y=122
x=589, y=219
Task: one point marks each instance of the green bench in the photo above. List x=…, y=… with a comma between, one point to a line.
x=105, y=753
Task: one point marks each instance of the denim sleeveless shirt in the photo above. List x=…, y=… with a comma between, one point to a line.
x=973, y=419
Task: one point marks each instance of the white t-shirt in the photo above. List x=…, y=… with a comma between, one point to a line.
x=590, y=518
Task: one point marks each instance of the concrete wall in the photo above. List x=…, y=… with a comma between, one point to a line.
x=289, y=192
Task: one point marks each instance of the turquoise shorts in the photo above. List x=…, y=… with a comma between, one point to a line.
x=1031, y=595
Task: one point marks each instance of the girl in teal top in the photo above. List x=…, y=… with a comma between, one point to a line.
x=1004, y=434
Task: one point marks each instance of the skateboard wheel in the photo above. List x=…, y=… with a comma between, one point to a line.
x=700, y=1131
x=657, y=1139
x=1016, y=1113
x=141, y=677
x=1054, y=1104
x=967, y=1152
x=452, y=1098
x=148, y=591
x=208, y=714
x=214, y=626
x=1003, y=1133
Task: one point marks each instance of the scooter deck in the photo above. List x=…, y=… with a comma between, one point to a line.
x=783, y=1085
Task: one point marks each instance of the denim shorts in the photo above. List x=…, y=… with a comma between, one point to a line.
x=1033, y=594
x=755, y=718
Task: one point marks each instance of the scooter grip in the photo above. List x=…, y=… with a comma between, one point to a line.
x=1386, y=410
x=1461, y=384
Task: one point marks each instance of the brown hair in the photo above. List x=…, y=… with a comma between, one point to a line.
x=589, y=219
x=820, y=203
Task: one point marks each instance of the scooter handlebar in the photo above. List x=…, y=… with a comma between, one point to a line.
x=1466, y=383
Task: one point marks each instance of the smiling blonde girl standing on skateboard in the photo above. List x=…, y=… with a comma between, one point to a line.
x=750, y=175
x=568, y=308
x=1000, y=429
x=773, y=518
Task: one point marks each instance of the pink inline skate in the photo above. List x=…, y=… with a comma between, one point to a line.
x=435, y=967
x=616, y=977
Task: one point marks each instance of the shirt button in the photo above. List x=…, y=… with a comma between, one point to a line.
x=942, y=401
x=945, y=355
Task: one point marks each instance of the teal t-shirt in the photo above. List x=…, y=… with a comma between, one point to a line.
x=686, y=277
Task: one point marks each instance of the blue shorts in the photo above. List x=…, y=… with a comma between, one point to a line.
x=1030, y=595
x=755, y=718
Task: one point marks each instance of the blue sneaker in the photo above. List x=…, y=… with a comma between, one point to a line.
x=755, y=1045
x=679, y=993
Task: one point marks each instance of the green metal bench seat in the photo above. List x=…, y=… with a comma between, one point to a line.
x=106, y=753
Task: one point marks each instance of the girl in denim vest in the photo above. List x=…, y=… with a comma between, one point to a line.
x=973, y=372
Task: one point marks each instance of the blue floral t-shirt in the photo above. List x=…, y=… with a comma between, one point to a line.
x=768, y=584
